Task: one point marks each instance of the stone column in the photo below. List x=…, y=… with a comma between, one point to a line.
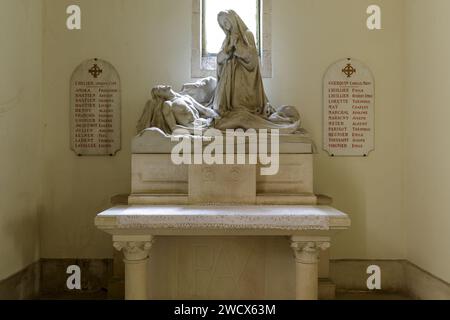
x=136, y=250
x=307, y=250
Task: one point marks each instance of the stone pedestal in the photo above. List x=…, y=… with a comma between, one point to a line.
x=156, y=180
x=223, y=200
x=309, y=228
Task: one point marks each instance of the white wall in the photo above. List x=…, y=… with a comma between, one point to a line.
x=20, y=133
x=427, y=143
x=148, y=41
x=309, y=35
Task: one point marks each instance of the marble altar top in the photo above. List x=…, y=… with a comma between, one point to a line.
x=287, y=218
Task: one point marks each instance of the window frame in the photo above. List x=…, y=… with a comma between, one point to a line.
x=204, y=65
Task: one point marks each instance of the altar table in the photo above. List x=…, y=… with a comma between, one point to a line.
x=135, y=228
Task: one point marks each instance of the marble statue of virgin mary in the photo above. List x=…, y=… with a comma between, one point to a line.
x=240, y=99
x=240, y=83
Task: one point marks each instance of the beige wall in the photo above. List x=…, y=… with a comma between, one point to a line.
x=308, y=36
x=149, y=43
x=20, y=133
x=427, y=143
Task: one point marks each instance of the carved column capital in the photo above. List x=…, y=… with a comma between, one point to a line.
x=134, y=250
x=307, y=252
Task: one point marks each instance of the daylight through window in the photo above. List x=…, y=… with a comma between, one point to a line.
x=213, y=36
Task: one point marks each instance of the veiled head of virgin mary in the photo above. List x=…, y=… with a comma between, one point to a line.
x=224, y=20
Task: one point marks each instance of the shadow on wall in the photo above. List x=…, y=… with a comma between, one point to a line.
x=95, y=276
x=335, y=177
x=21, y=230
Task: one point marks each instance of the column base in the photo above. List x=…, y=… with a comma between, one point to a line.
x=327, y=289
x=136, y=250
x=306, y=251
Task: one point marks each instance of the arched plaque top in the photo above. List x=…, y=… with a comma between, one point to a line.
x=348, y=109
x=95, y=109
x=96, y=69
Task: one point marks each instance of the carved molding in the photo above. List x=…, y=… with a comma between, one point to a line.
x=238, y=217
x=307, y=252
x=134, y=250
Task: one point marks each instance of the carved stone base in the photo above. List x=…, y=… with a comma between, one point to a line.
x=156, y=179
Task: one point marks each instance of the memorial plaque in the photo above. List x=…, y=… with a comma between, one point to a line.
x=348, y=105
x=95, y=102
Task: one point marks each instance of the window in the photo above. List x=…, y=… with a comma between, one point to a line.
x=212, y=34
x=207, y=35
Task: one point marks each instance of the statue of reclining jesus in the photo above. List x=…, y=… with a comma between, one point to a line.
x=236, y=100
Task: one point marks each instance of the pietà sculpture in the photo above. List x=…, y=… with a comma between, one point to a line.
x=235, y=100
